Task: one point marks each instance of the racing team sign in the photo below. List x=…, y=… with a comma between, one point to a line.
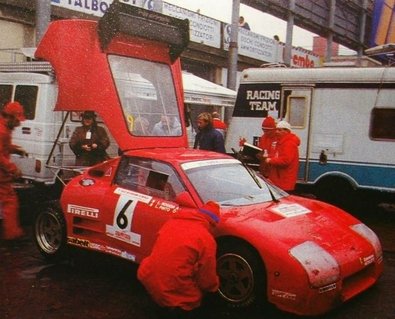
x=255, y=101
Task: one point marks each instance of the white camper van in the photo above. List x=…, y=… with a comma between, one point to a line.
x=345, y=118
x=45, y=134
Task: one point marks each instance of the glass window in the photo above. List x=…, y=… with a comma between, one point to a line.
x=382, y=124
x=5, y=94
x=148, y=177
x=229, y=183
x=147, y=95
x=27, y=96
x=297, y=110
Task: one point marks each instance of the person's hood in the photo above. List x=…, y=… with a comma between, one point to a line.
x=290, y=137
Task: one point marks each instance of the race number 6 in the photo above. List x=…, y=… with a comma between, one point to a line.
x=124, y=212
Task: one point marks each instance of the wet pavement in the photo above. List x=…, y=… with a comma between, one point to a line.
x=95, y=286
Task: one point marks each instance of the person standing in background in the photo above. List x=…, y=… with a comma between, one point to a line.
x=208, y=138
x=11, y=117
x=218, y=124
x=267, y=142
x=89, y=141
x=284, y=164
x=243, y=23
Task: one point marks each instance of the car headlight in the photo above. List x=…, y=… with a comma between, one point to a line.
x=371, y=237
x=321, y=267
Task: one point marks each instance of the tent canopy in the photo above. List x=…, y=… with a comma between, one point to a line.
x=203, y=92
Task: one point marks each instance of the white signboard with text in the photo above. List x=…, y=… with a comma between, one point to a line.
x=202, y=29
x=253, y=45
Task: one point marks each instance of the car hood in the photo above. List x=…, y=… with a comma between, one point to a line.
x=294, y=221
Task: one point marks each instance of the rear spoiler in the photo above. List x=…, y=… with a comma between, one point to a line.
x=135, y=21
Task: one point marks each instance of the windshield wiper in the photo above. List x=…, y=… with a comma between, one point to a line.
x=252, y=174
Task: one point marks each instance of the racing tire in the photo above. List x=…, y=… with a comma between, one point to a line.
x=49, y=232
x=242, y=277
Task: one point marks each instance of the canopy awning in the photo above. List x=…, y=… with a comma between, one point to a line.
x=203, y=92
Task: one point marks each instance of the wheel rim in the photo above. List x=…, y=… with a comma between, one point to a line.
x=48, y=233
x=236, y=277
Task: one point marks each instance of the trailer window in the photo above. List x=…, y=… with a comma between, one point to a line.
x=297, y=111
x=382, y=125
x=5, y=94
x=27, y=96
x=147, y=94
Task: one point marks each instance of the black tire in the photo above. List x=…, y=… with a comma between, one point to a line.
x=49, y=232
x=242, y=276
x=336, y=191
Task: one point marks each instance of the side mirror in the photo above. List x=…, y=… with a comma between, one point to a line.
x=185, y=199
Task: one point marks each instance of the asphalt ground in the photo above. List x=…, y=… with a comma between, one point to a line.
x=94, y=286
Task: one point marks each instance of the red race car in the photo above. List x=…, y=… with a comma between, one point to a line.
x=304, y=256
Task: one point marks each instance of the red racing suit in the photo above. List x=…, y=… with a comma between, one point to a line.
x=269, y=144
x=9, y=205
x=182, y=265
x=284, y=164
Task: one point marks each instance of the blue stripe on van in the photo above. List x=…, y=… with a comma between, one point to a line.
x=364, y=174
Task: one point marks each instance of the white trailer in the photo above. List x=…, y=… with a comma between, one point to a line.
x=345, y=118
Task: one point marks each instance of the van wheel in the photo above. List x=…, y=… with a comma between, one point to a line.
x=49, y=231
x=336, y=191
x=242, y=276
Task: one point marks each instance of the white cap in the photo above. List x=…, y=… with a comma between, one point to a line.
x=284, y=125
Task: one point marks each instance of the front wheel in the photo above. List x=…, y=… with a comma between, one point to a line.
x=242, y=276
x=49, y=230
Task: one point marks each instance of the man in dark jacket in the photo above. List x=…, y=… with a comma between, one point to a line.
x=89, y=141
x=11, y=116
x=208, y=138
x=182, y=265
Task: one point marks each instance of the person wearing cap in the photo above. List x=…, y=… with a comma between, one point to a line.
x=208, y=138
x=267, y=142
x=11, y=117
x=284, y=164
x=182, y=265
x=89, y=141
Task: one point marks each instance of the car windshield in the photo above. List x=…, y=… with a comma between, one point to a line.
x=147, y=95
x=228, y=182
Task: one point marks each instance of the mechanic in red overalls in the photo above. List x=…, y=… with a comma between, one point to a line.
x=284, y=164
x=11, y=117
x=182, y=265
x=267, y=142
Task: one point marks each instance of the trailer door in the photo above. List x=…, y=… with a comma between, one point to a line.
x=296, y=109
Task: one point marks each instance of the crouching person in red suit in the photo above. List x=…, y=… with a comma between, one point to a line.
x=182, y=265
x=11, y=116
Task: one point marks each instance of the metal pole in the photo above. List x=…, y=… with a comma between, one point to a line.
x=362, y=28
x=329, y=38
x=288, y=39
x=43, y=17
x=233, y=47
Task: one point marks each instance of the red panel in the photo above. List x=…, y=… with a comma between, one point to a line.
x=85, y=81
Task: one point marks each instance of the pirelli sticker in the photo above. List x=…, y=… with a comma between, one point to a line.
x=83, y=211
